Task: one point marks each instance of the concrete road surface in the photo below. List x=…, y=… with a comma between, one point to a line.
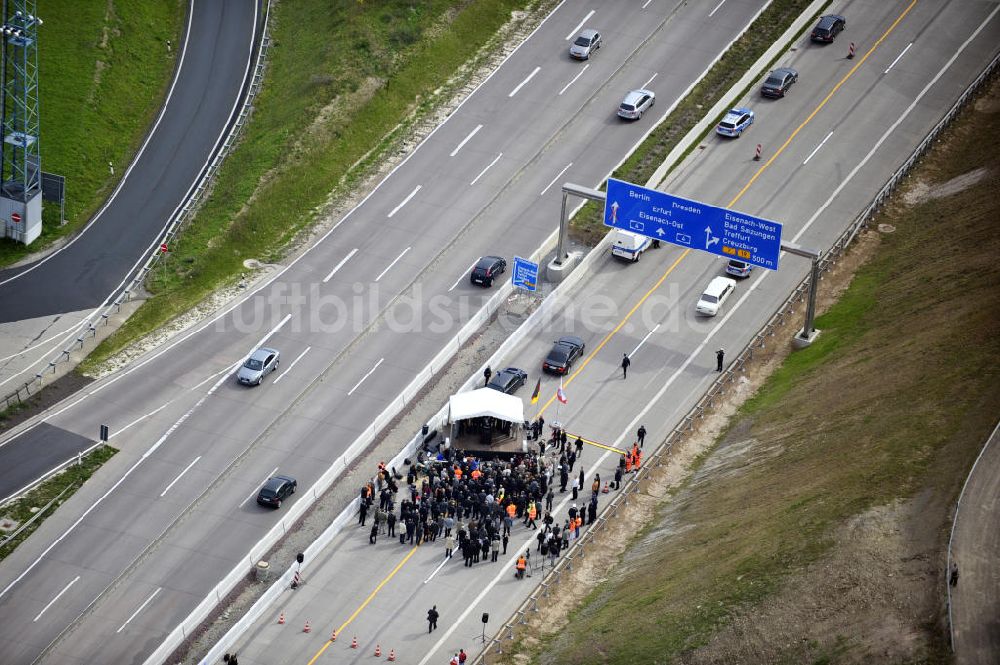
x=137, y=548
x=914, y=59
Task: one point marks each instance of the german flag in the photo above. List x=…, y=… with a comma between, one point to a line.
x=538, y=391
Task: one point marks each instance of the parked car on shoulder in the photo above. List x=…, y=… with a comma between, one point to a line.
x=487, y=269
x=564, y=351
x=716, y=293
x=261, y=362
x=276, y=490
x=778, y=82
x=635, y=103
x=735, y=122
x=585, y=44
x=828, y=28
x=508, y=380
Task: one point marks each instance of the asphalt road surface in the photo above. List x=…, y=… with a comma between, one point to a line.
x=132, y=553
x=206, y=93
x=975, y=600
x=878, y=106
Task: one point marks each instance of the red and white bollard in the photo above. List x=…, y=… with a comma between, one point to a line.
x=850, y=52
x=756, y=154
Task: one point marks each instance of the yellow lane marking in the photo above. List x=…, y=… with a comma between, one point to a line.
x=822, y=104
x=738, y=196
x=363, y=605
x=574, y=437
x=648, y=293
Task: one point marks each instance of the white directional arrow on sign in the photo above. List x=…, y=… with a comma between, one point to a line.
x=660, y=232
x=614, y=211
x=709, y=240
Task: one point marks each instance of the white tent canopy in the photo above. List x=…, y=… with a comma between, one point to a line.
x=485, y=402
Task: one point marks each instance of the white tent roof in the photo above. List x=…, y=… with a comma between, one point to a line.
x=485, y=402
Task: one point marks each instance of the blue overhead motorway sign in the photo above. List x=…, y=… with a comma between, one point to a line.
x=525, y=274
x=692, y=224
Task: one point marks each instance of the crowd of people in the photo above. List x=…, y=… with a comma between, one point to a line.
x=473, y=504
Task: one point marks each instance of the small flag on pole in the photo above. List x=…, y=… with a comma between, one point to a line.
x=538, y=391
x=560, y=394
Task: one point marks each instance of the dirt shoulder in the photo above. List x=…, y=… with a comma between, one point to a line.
x=809, y=522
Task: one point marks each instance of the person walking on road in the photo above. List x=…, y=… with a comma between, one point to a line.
x=487, y=373
x=579, y=447
x=641, y=435
x=449, y=545
x=719, y=356
x=625, y=363
x=953, y=577
x=373, y=536
x=432, y=618
x=362, y=512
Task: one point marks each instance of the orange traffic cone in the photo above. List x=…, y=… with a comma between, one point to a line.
x=281, y=619
x=392, y=655
x=378, y=651
x=606, y=489
x=354, y=642
x=307, y=629
x=333, y=636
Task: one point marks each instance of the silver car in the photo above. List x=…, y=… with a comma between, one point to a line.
x=585, y=44
x=635, y=103
x=261, y=362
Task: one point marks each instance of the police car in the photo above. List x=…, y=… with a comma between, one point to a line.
x=735, y=122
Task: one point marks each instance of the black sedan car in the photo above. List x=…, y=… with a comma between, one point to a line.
x=487, y=269
x=828, y=28
x=563, y=353
x=778, y=82
x=508, y=380
x=275, y=490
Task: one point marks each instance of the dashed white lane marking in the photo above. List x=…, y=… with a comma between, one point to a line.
x=476, y=179
x=341, y=264
x=579, y=25
x=381, y=274
x=58, y=595
x=372, y=370
x=898, y=58
x=558, y=175
x=180, y=475
x=524, y=82
x=579, y=74
x=816, y=149
x=141, y=607
x=406, y=200
x=297, y=359
x=465, y=140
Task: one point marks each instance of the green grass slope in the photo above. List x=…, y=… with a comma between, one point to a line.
x=104, y=70
x=772, y=551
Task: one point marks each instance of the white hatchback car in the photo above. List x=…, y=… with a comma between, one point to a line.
x=585, y=44
x=635, y=103
x=715, y=295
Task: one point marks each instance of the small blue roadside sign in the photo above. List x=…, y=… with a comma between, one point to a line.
x=525, y=274
x=692, y=224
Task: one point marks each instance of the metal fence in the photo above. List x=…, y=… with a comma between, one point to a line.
x=494, y=646
x=88, y=329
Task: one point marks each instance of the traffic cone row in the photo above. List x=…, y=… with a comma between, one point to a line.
x=333, y=638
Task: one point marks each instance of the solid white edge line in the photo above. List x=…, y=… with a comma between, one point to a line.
x=716, y=8
x=524, y=82
x=816, y=149
x=289, y=369
x=140, y=419
x=573, y=80
x=481, y=173
x=646, y=84
x=351, y=391
x=256, y=491
x=462, y=276
x=579, y=26
x=388, y=267
x=899, y=121
x=141, y=607
x=340, y=265
x=639, y=345
x=405, y=201
x=465, y=140
x=58, y=596
x=559, y=175
x=180, y=475
x=898, y=57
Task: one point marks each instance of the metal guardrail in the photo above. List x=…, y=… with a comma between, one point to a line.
x=494, y=646
x=169, y=233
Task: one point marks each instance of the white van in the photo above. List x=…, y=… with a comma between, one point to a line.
x=715, y=294
x=628, y=245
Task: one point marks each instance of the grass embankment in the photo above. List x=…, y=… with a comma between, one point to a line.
x=588, y=224
x=814, y=531
x=70, y=480
x=104, y=70
x=344, y=84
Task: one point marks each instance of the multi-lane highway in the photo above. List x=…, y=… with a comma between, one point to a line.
x=41, y=302
x=829, y=146
x=118, y=566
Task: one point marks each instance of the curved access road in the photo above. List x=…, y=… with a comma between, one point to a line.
x=204, y=98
